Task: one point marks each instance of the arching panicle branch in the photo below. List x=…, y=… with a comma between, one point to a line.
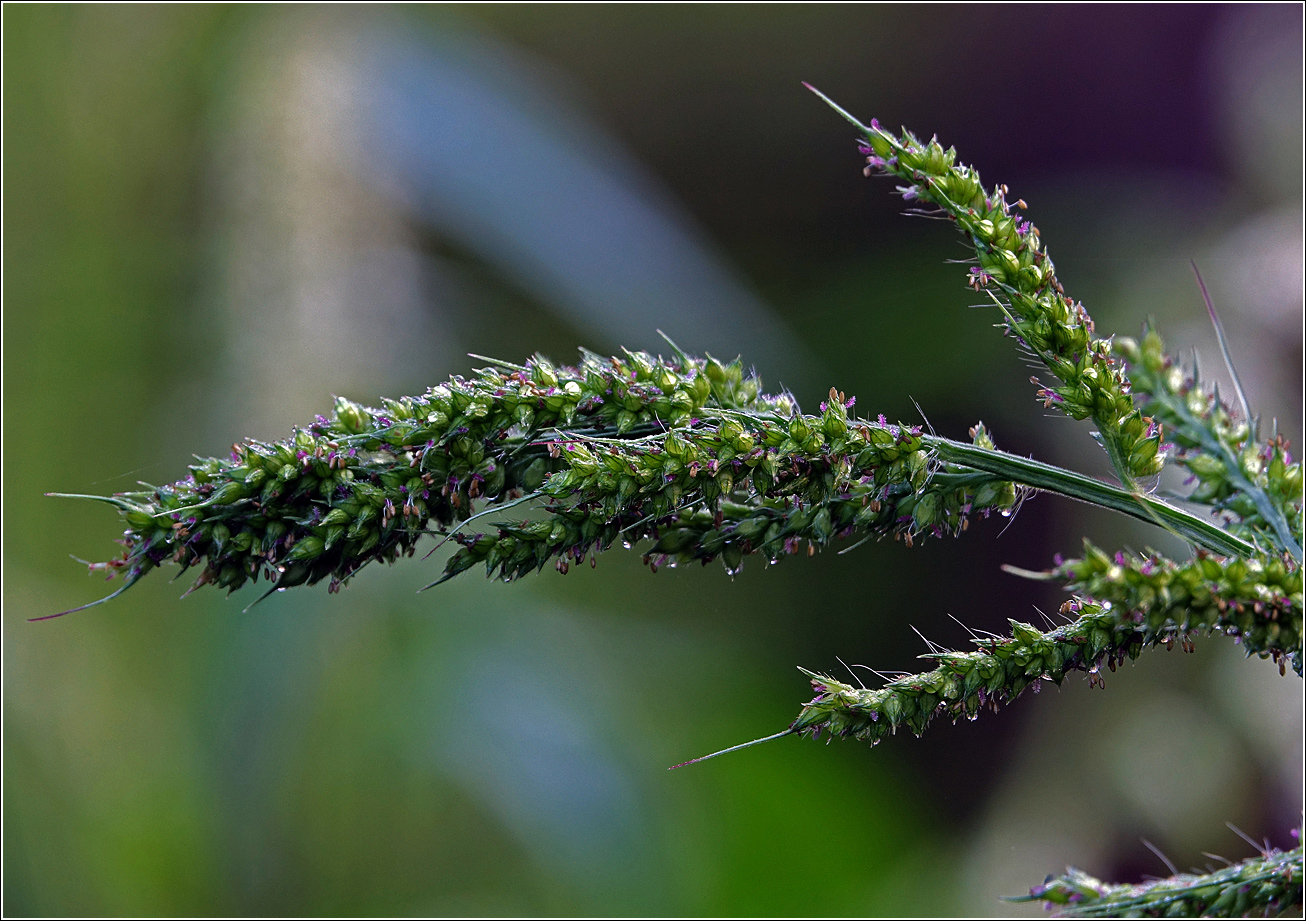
x=1004, y=667
x=1014, y=269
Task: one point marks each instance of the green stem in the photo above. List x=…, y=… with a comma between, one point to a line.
x=1036, y=474
x=1111, y=443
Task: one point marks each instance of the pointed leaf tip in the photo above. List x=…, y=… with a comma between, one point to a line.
x=735, y=748
x=260, y=598
x=1031, y=574
x=838, y=108
x=116, y=501
x=440, y=581
x=130, y=581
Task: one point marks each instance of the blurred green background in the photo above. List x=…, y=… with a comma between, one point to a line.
x=215, y=217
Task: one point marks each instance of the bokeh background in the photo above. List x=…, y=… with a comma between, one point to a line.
x=215, y=217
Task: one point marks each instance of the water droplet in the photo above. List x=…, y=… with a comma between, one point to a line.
x=1006, y=513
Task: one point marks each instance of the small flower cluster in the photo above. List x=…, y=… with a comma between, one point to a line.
x=366, y=484
x=1257, y=600
x=1267, y=886
x=1256, y=484
x=965, y=682
x=1014, y=269
x=738, y=483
